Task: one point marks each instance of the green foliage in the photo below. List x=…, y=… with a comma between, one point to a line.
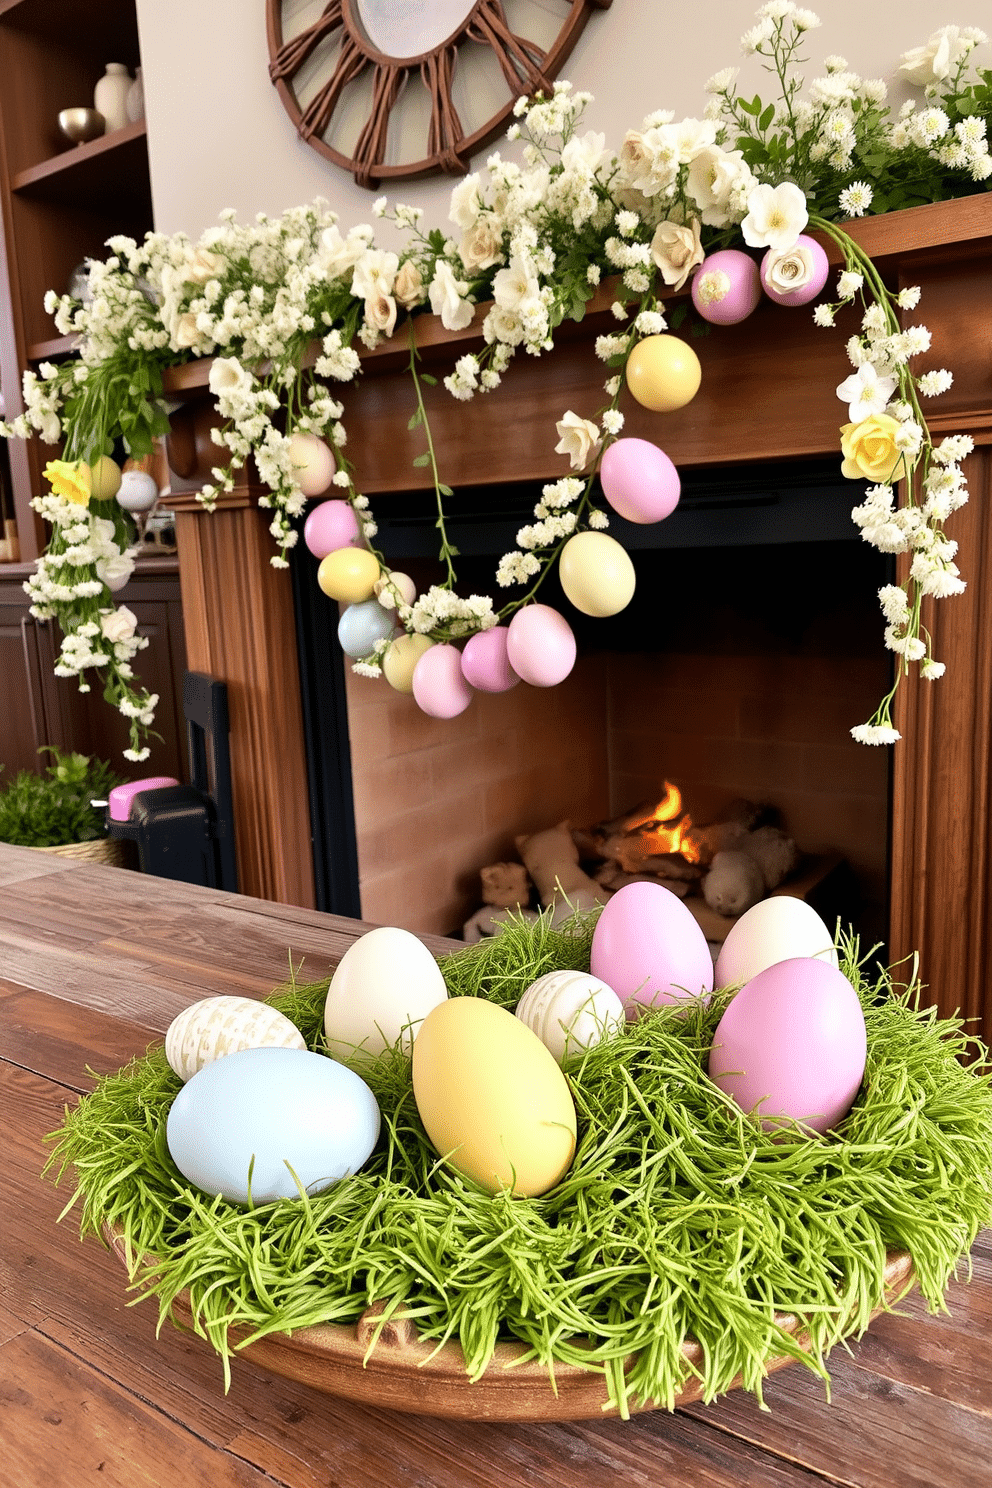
x=54, y=808
x=679, y=1218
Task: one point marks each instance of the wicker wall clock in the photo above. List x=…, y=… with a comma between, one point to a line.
x=389, y=48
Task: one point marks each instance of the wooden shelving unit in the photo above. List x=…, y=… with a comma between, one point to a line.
x=59, y=202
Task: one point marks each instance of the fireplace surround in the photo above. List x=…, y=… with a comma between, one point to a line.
x=240, y=620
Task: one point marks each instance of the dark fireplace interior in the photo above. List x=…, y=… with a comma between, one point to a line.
x=752, y=645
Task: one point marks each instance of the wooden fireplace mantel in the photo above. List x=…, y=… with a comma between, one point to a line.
x=768, y=392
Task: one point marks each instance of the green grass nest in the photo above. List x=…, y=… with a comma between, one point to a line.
x=680, y=1218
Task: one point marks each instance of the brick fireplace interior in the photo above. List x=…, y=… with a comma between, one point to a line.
x=737, y=670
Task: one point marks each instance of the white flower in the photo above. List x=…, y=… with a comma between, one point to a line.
x=577, y=437
x=203, y=265
x=481, y=246
x=408, y=286
x=465, y=202
x=823, y=315
x=515, y=284
x=875, y=733
x=932, y=384
x=856, y=199
x=788, y=269
x=932, y=63
x=676, y=250
x=118, y=625
x=612, y=421
x=380, y=313
x=848, y=284
x=228, y=375
x=115, y=570
x=374, y=274
x=931, y=670
x=720, y=182
x=341, y=254
x=688, y=138
x=776, y=216
x=722, y=82
x=866, y=392
x=446, y=296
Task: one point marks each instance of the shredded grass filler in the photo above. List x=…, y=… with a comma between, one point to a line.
x=679, y=1218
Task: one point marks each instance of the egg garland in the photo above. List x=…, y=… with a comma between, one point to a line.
x=645, y=1121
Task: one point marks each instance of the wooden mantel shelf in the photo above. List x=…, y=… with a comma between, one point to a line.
x=239, y=612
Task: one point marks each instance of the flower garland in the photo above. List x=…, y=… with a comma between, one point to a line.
x=535, y=241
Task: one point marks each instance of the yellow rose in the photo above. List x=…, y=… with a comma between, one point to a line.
x=69, y=479
x=869, y=448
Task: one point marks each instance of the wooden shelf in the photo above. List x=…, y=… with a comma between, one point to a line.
x=99, y=174
x=58, y=346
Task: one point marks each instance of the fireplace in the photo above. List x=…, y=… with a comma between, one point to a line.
x=240, y=621
x=737, y=670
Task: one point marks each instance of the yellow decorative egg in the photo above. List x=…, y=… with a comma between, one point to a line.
x=105, y=478
x=663, y=373
x=596, y=573
x=216, y=1026
x=349, y=574
x=400, y=660
x=492, y=1098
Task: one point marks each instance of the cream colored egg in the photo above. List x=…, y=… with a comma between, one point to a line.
x=394, y=589
x=492, y=1099
x=216, y=1026
x=312, y=462
x=596, y=573
x=570, y=1011
x=779, y=928
x=400, y=661
x=384, y=986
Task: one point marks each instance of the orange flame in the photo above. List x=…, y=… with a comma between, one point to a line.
x=668, y=830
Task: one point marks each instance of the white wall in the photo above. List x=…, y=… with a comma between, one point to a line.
x=219, y=136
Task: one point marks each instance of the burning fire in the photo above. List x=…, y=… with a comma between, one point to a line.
x=669, y=830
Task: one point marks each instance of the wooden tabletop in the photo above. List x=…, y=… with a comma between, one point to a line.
x=94, y=964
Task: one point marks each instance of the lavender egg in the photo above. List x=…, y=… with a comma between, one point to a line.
x=648, y=947
x=485, y=663
x=639, y=480
x=726, y=287
x=796, y=275
x=792, y=1045
x=540, y=645
x=439, y=685
x=331, y=525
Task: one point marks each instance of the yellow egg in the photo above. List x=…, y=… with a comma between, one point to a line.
x=596, y=573
x=492, y=1098
x=663, y=373
x=400, y=660
x=105, y=479
x=348, y=574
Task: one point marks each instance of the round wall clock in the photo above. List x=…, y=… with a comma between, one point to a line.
x=373, y=56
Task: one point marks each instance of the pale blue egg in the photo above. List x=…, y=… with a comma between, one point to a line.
x=271, y=1110
x=361, y=625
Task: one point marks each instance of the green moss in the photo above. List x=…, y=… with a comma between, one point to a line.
x=679, y=1218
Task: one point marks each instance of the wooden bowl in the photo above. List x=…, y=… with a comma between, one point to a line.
x=405, y=1374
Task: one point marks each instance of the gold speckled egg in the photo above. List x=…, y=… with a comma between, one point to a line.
x=492, y=1098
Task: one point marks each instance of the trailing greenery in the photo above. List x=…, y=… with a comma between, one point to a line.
x=680, y=1218
x=54, y=808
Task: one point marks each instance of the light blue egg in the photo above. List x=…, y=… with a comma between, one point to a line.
x=361, y=625
x=283, y=1108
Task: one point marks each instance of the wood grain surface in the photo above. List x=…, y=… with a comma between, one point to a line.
x=94, y=962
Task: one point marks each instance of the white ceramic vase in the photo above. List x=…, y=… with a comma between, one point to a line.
x=110, y=95
x=135, y=106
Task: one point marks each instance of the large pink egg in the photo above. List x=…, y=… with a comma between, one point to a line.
x=540, y=645
x=639, y=480
x=726, y=287
x=792, y=1044
x=805, y=265
x=438, y=683
x=648, y=947
x=485, y=663
x=331, y=525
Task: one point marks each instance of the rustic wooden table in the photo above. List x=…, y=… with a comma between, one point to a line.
x=95, y=963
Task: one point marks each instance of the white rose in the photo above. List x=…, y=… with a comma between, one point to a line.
x=788, y=269
x=446, y=298
x=380, y=313
x=115, y=570
x=715, y=177
x=578, y=437
x=374, y=274
x=515, y=284
x=341, y=254
x=481, y=247
x=408, y=286
x=465, y=203
x=503, y=325
x=932, y=63
x=227, y=374
x=118, y=625
x=776, y=215
x=185, y=332
x=202, y=266
x=648, y=162
x=584, y=153
x=676, y=250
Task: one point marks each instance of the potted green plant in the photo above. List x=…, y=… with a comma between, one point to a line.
x=54, y=811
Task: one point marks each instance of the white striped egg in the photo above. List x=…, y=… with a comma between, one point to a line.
x=570, y=1011
x=216, y=1026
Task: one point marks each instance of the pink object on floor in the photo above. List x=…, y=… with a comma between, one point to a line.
x=121, y=796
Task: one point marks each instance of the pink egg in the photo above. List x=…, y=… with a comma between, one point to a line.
x=331, y=525
x=438, y=684
x=792, y=1043
x=726, y=287
x=639, y=480
x=648, y=947
x=485, y=663
x=540, y=645
x=807, y=258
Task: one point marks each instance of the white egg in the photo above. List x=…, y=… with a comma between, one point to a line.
x=570, y=1011
x=779, y=928
x=384, y=987
x=217, y=1026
